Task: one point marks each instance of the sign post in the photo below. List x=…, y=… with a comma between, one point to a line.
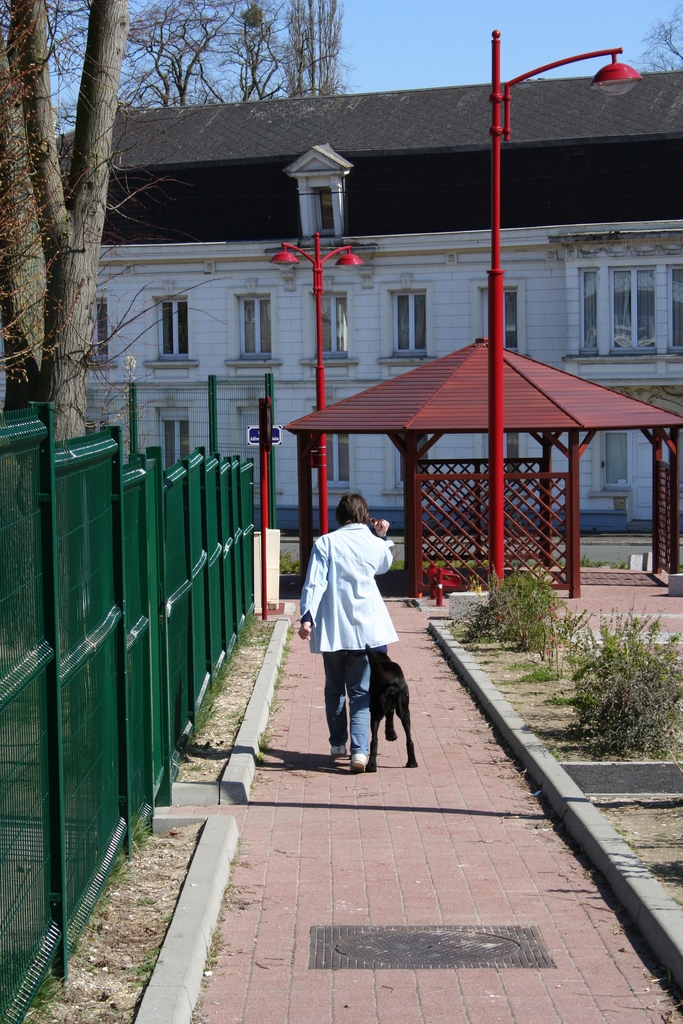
x=265, y=445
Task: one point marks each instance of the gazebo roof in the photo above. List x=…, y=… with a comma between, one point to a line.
x=450, y=395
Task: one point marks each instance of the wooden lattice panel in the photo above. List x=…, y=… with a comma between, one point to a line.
x=663, y=534
x=454, y=503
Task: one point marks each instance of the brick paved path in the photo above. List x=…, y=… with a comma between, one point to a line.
x=460, y=840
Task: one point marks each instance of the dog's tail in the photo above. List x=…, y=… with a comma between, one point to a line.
x=377, y=664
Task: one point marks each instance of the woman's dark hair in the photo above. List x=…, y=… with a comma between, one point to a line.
x=352, y=508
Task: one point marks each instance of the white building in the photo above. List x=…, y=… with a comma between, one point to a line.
x=599, y=297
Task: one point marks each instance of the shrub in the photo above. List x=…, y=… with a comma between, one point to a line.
x=629, y=686
x=524, y=603
x=519, y=612
x=566, y=636
x=288, y=563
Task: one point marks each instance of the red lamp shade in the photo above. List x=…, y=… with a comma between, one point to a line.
x=284, y=257
x=349, y=259
x=615, y=79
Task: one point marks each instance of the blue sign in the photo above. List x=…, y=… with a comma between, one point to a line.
x=253, y=435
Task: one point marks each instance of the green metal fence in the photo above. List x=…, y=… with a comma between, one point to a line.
x=177, y=418
x=121, y=590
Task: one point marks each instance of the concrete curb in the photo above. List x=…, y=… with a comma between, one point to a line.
x=235, y=785
x=658, y=916
x=173, y=989
x=238, y=776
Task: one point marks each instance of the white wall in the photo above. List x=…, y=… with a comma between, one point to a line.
x=542, y=264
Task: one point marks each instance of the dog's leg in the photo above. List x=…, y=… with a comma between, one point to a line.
x=389, y=730
x=375, y=722
x=403, y=713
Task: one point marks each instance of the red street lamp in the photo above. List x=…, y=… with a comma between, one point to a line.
x=348, y=259
x=613, y=79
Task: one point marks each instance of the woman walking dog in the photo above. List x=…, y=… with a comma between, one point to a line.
x=341, y=612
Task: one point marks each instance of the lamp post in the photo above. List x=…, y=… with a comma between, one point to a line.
x=613, y=79
x=347, y=259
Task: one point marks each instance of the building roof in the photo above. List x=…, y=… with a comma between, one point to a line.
x=450, y=395
x=416, y=121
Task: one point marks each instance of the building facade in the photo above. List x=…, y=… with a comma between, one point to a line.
x=187, y=289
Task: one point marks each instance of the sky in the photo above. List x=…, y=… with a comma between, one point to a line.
x=418, y=44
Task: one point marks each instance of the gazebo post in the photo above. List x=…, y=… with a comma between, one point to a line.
x=413, y=521
x=573, y=517
x=304, y=446
x=546, y=501
x=657, y=452
x=674, y=501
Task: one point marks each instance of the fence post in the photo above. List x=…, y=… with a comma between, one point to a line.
x=118, y=568
x=149, y=597
x=157, y=604
x=49, y=574
x=213, y=414
x=272, y=481
x=132, y=418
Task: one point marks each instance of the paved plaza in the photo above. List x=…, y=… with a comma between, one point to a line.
x=462, y=840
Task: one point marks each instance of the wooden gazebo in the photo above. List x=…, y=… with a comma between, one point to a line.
x=445, y=501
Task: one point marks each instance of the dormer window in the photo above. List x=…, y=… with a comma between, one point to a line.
x=320, y=175
x=326, y=211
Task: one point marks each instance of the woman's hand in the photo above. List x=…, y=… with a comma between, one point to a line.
x=381, y=527
x=305, y=631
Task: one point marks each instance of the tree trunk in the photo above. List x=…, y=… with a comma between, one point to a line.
x=22, y=275
x=71, y=224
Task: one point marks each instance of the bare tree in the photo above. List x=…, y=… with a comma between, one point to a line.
x=257, y=52
x=59, y=204
x=196, y=51
x=664, y=44
x=313, y=48
x=203, y=51
x=176, y=52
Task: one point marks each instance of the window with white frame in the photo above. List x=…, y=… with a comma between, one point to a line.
x=616, y=458
x=338, y=459
x=589, y=309
x=677, y=308
x=173, y=327
x=511, y=319
x=410, y=322
x=633, y=309
x=101, y=330
x=176, y=439
x=335, y=324
x=256, y=326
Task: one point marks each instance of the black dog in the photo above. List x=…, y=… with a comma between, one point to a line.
x=388, y=694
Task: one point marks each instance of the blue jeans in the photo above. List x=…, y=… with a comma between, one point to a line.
x=348, y=673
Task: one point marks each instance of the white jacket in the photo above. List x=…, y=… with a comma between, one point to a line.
x=341, y=594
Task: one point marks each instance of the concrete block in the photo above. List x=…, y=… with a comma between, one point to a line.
x=195, y=794
x=465, y=606
x=164, y=821
x=676, y=584
x=642, y=562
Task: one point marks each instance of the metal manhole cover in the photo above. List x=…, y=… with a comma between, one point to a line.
x=427, y=947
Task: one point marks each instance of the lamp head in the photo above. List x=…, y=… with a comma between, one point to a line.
x=349, y=259
x=615, y=79
x=284, y=256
